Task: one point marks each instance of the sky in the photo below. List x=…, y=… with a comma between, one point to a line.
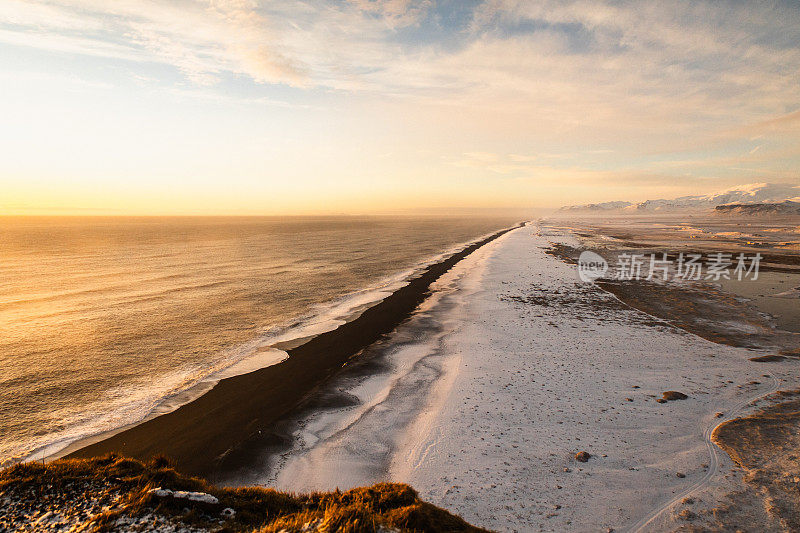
x=367, y=106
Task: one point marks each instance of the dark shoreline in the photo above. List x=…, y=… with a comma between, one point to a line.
x=224, y=429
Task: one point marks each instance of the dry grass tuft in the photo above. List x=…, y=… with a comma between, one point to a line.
x=768, y=358
x=791, y=353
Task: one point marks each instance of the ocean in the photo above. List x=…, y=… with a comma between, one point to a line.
x=106, y=321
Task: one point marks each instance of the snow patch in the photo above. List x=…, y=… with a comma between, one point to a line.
x=191, y=496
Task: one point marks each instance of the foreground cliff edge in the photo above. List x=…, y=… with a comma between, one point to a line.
x=115, y=493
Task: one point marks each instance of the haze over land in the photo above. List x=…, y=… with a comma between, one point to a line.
x=263, y=107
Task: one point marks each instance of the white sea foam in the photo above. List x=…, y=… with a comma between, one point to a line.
x=126, y=406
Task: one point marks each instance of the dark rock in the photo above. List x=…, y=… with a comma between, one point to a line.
x=671, y=395
x=582, y=457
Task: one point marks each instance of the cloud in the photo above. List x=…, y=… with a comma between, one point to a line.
x=395, y=13
x=201, y=39
x=577, y=62
x=563, y=78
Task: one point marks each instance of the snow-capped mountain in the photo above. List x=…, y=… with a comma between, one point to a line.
x=755, y=193
x=605, y=206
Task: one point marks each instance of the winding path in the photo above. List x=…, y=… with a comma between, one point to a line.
x=713, y=465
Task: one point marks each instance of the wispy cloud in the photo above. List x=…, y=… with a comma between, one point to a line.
x=202, y=39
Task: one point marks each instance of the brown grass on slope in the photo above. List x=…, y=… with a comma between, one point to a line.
x=114, y=493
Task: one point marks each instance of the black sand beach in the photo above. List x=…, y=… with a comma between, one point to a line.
x=223, y=430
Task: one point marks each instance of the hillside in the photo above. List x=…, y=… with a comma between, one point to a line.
x=114, y=493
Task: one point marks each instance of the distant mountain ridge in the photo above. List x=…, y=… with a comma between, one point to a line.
x=778, y=208
x=755, y=193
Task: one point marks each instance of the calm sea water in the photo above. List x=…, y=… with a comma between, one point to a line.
x=102, y=319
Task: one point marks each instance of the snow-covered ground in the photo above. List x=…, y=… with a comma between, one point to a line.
x=512, y=367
